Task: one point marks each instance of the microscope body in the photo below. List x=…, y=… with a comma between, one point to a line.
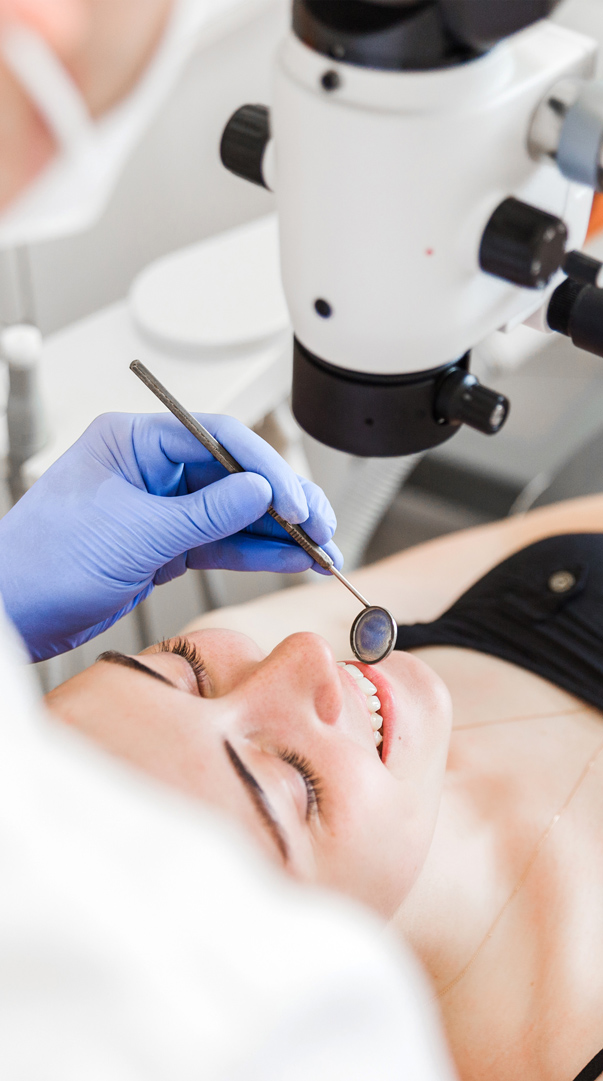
x=416, y=217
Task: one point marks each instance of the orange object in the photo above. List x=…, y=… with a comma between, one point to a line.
x=596, y=218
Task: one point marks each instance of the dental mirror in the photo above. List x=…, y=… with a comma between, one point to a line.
x=373, y=635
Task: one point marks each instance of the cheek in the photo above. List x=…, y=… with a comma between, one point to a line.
x=376, y=839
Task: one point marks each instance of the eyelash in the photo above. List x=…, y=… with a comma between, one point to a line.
x=182, y=647
x=311, y=781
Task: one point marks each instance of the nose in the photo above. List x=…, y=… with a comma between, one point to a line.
x=302, y=671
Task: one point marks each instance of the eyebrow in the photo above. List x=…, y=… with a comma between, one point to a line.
x=260, y=800
x=113, y=656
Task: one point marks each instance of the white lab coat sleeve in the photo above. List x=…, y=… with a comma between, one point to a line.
x=141, y=939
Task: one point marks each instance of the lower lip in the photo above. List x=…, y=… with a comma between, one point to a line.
x=387, y=711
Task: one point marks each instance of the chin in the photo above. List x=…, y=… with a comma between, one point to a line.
x=422, y=709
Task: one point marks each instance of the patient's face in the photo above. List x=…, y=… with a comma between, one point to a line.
x=284, y=744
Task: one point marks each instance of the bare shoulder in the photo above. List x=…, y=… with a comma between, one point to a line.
x=417, y=585
x=424, y=581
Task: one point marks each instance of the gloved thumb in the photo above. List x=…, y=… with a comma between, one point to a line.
x=220, y=510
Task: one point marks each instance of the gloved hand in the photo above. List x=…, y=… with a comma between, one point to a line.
x=131, y=505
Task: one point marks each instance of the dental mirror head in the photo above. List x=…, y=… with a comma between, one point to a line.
x=373, y=635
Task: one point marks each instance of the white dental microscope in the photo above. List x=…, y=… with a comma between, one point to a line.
x=434, y=163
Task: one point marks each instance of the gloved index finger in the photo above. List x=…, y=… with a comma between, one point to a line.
x=257, y=456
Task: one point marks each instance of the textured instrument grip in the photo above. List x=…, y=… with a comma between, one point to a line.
x=301, y=537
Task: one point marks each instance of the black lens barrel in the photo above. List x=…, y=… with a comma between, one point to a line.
x=411, y=35
x=576, y=310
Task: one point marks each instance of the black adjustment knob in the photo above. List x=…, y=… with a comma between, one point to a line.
x=583, y=268
x=244, y=142
x=523, y=244
x=577, y=311
x=461, y=399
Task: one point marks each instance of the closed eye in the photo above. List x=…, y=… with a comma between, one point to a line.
x=185, y=648
x=314, y=788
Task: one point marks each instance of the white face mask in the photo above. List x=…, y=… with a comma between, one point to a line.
x=73, y=190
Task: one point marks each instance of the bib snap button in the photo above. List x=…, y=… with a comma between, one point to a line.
x=561, y=582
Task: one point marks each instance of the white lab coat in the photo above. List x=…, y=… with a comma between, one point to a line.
x=142, y=938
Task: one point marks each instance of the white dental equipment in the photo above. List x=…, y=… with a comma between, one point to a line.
x=434, y=165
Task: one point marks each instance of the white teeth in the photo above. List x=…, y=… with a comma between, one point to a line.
x=372, y=701
x=367, y=686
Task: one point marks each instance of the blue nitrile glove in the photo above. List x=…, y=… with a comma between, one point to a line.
x=131, y=505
